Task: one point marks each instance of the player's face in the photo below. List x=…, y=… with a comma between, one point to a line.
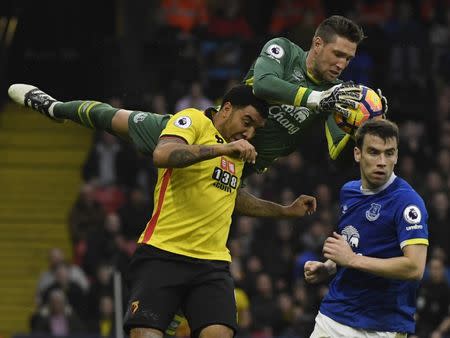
x=376, y=160
x=332, y=57
x=241, y=123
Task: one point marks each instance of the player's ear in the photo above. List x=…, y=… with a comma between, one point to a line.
x=227, y=108
x=317, y=43
x=357, y=154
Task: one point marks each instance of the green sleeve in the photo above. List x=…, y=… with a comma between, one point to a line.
x=145, y=128
x=269, y=71
x=336, y=138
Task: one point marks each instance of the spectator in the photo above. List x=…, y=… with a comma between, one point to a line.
x=228, y=22
x=56, y=317
x=47, y=278
x=264, y=308
x=134, y=215
x=75, y=295
x=195, y=99
x=101, y=287
x=102, y=245
x=86, y=215
x=433, y=299
x=104, y=323
x=110, y=163
x=186, y=15
x=440, y=218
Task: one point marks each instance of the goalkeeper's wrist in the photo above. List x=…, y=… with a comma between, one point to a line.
x=313, y=100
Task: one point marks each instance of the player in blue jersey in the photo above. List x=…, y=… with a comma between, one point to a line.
x=379, y=250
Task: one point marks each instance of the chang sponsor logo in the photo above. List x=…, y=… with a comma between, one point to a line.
x=289, y=117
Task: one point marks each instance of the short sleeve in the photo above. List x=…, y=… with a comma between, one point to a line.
x=411, y=220
x=144, y=130
x=187, y=124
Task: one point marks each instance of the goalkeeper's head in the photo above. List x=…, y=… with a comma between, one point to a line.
x=333, y=46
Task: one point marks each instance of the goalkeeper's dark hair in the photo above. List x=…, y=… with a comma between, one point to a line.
x=242, y=96
x=384, y=129
x=341, y=26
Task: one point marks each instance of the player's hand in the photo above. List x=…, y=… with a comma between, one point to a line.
x=384, y=102
x=241, y=149
x=338, y=250
x=303, y=205
x=340, y=98
x=315, y=272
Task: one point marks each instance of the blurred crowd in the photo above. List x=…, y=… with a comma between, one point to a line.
x=193, y=51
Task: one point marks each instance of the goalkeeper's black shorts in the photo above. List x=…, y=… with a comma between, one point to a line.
x=161, y=282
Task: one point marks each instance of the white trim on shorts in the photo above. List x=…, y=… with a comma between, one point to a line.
x=328, y=328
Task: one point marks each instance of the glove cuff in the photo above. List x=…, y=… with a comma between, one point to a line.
x=313, y=100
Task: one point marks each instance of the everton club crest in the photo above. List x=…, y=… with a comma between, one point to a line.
x=374, y=212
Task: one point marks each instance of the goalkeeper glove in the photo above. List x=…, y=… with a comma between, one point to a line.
x=336, y=99
x=384, y=102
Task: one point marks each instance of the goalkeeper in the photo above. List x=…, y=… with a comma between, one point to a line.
x=302, y=86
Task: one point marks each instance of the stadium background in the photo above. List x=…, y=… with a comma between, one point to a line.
x=57, y=191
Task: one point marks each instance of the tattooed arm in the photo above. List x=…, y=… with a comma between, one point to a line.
x=249, y=205
x=174, y=152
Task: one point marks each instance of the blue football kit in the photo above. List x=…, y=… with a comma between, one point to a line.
x=377, y=224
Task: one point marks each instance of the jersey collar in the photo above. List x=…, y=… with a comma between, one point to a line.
x=377, y=190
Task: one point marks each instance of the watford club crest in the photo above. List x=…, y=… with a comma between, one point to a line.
x=134, y=307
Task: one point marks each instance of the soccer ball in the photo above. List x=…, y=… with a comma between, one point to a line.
x=370, y=107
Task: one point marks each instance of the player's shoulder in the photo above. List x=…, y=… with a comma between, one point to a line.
x=279, y=46
x=188, y=118
x=352, y=186
x=406, y=193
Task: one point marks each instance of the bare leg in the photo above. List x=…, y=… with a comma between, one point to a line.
x=145, y=333
x=216, y=331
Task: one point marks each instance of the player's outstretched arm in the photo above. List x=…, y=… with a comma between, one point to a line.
x=91, y=114
x=174, y=152
x=249, y=205
x=410, y=266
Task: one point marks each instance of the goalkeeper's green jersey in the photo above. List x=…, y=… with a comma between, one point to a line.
x=279, y=75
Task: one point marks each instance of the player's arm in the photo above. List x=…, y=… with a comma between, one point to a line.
x=119, y=123
x=410, y=266
x=268, y=72
x=175, y=152
x=316, y=272
x=249, y=205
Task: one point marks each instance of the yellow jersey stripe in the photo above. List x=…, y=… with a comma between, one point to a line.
x=333, y=149
x=299, y=96
x=414, y=241
x=313, y=79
